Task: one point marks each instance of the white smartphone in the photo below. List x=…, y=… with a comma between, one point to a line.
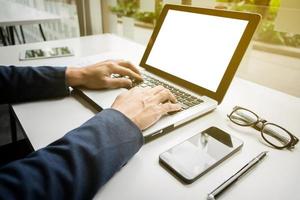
x=32, y=54
x=197, y=155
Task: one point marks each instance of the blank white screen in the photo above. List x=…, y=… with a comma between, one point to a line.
x=196, y=47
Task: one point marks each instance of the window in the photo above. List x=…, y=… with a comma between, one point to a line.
x=66, y=26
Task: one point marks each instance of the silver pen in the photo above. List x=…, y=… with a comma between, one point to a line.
x=236, y=176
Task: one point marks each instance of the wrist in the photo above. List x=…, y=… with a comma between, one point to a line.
x=132, y=120
x=137, y=123
x=74, y=76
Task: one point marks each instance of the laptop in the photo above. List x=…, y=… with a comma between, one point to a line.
x=194, y=52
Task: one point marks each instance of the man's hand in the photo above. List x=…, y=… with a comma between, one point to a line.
x=145, y=106
x=98, y=76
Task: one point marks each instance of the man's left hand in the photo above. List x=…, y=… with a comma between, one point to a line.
x=98, y=76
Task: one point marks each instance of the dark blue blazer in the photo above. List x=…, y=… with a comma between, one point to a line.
x=75, y=166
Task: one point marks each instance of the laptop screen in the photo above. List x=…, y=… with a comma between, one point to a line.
x=196, y=47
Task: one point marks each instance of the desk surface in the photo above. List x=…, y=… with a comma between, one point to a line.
x=277, y=177
x=17, y=14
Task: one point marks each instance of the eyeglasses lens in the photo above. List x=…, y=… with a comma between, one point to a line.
x=276, y=135
x=243, y=117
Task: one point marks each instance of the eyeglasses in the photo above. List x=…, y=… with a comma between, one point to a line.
x=272, y=133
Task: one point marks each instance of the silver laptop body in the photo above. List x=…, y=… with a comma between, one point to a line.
x=194, y=50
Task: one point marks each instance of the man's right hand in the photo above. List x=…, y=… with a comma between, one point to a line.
x=145, y=106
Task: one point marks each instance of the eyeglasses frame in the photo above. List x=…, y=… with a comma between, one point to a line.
x=291, y=144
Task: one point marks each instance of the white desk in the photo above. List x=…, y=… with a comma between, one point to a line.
x=277, y=177
x=12, y=14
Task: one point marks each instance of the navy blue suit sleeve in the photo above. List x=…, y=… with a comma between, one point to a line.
x=77, y=165
x=20, y=84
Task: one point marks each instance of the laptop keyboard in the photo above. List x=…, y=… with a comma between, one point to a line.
x=184, y=99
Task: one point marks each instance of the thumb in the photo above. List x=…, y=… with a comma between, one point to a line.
x=169, y=108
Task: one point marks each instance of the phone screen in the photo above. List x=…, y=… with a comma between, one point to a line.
x=196, y=155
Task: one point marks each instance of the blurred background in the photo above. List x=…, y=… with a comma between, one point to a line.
x=85, y=17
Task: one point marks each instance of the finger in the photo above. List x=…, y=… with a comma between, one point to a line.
x=117, y=69
x=128, y=65
x=155, y=90
x=118, y=83
x=163, y=96
x=169, y=107
x=138, y=90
